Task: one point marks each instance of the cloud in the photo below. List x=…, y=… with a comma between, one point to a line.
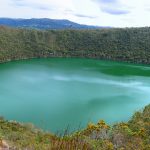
x=85, y=16
x=79, y=15
x=68, y=10
x=106, y=1
x=113, y=7
x=32, y=4
x=114, y=11
x=42, y=5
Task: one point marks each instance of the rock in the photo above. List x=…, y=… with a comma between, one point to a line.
x=4, y=145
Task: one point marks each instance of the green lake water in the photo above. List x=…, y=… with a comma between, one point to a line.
x=59, y=92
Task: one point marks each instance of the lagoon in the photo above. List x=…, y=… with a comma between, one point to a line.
x=56, y=93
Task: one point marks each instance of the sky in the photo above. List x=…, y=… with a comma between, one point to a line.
x=113, y=13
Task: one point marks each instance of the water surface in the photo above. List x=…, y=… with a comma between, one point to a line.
x=59, y=92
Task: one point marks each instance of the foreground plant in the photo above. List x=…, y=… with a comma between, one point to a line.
x=134, y=134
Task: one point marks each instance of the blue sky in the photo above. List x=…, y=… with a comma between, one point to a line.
x=116, y=13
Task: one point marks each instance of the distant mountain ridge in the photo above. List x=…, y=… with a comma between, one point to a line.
x=44, y=23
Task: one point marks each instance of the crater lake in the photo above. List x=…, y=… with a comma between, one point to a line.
x=56, y=93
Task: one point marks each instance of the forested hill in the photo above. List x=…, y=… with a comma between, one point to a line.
x=129, y=44
x=43, y=23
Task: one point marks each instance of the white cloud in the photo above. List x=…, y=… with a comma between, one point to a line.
x=118, y=13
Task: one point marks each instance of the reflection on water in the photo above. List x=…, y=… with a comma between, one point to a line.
x=55, y=93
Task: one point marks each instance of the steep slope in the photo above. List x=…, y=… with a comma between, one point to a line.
x=130, y=45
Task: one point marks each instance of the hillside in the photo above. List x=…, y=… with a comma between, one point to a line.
x=134, y=134
x=43, y=23
x=129, y=44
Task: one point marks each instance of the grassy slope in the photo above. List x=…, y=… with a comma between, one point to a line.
x=134, y=134
x=130, y=44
